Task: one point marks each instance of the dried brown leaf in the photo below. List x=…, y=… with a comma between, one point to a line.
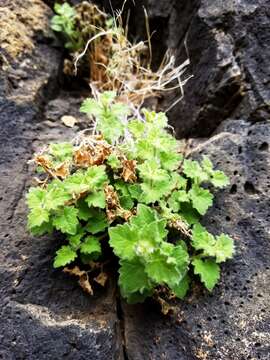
x=112, y=199
x=83, y=278
x=112, y=203
x=87, y=156
x=62, y=170
x=129, y=170
x=85, y=284
x=82, y=157
x=102, y=278
x=182, y=226
x=43, y=161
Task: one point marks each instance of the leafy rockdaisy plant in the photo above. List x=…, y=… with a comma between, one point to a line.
x=126, y=191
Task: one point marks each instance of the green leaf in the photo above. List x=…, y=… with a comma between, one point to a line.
x=35, y=197
x=137, y=297
x=66, y=220
x=193, y=170
x=45, y=228
x=178, y=182
x=150, y=170
x=153, y=192
x=56, y=196
x=219, y=179
x=97, y=223
x=91, y=245
x=126, y=202
x=56, y=27
x=122, y=187
x=145, y=215
x=170, y=161
x=135, y=191
x=136, y=127
x=64, y=9
x=168, y=269
x=76, y=183
x=37, y=217
x=75, y=240
x=61, y=151
x=96, y=199
x=114, y=162
x=207, y=165
x=161, y=271
x=64, y=256
x=181, y=196
x=111, y=127
x=91, y=107
x=176, y=198
x=159, y=119
x=150, y=236
x=57, y=8
x=203, y=240
x=144, y=149
x=107, y=97
x=224, y=248
x=120, y=110
x=157, y=229
x=201, y=198
x=208, y=271
x=84, y=212
x=180, y=290
x=190, y=215
x=141, y=236
x=133, y=278
x=123, y=239
x=96, y=177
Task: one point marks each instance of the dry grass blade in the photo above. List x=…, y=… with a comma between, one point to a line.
x=117, y=64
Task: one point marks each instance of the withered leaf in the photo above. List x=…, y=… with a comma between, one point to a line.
x=83, y=278
x=43, y=161
x=166, y=308
x=82, y=157
x=112, y=199
x=62, y=170
x=101, y=279
x=129, y=170
x=112, y=203
x=87, y=156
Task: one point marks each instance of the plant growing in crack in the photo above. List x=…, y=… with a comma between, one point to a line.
x=108, y=60
x=127, y=189
x=64, y=23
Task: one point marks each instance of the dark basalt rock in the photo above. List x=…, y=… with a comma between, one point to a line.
x=233, y=321
x=44, y=314
x=228, y=47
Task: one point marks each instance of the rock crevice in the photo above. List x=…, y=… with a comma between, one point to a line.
x=44, y=314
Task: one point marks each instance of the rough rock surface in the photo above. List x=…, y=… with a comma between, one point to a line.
x=44, y=314
x=228, y=44
x=233, y=321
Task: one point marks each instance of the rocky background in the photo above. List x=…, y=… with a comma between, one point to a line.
x=43, y=313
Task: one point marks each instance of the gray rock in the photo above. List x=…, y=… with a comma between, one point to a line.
x=44, y=314
x=228, y=46
x=233, y=321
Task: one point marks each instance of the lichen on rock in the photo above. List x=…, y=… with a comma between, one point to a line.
x=19, y=22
